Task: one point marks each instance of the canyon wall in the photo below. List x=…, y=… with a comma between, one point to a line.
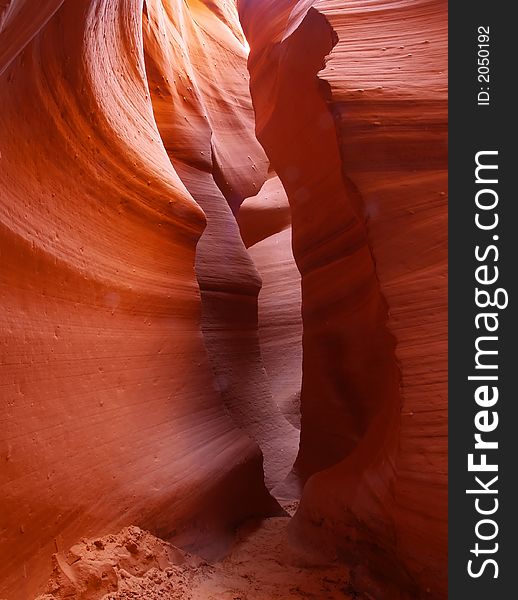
x=111, y=414
x=207, y=254
x=202, y=107
x=265, y=224
x=354, y=123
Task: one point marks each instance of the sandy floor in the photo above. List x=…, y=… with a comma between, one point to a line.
x=135, y=565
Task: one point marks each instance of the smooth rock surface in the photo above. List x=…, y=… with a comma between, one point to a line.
x=355, y=126
x=207, y=256
x=110, y=411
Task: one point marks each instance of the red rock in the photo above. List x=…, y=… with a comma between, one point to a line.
x=111, y=414
x=170, y=218
x=204, y=112
x=361, y=152
x=265, y=221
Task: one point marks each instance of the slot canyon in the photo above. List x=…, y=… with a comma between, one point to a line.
x=223, y=283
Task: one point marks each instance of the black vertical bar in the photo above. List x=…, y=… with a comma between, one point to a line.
x=484, y=122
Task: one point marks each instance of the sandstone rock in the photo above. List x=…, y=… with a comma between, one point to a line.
x=355, y=126
x=205, y=255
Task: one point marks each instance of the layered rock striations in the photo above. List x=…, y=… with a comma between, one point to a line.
x=206, y=254
x=196, y=68
x=402, y=127
x=265, y=225
x=111, y=414
x=358, y=140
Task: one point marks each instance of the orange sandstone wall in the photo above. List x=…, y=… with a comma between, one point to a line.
x=359, y=142
x=196, y=66
x=265, y=225
x=152, y=356
x=110, y=413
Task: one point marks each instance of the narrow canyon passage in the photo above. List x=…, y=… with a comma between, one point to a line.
x=222, y=234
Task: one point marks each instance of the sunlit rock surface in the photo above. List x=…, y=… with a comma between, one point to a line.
x=111, y=414
x=206, y=254
x=265, y=225
x=361, y=151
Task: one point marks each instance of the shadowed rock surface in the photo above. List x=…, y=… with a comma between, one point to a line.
x=223, y=287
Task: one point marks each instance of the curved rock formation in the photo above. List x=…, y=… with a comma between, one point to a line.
x=111, y=415
x=204, y=112
x=206, y=255
x=265, y=225
x=363, y=160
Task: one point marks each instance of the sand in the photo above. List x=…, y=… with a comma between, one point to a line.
x=133, y=564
